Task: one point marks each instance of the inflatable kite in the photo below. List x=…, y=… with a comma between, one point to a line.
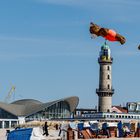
x=139, y=47
x=108, y=34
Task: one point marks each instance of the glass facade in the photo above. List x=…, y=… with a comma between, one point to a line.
x=13, y=123
x=0, y=124
x=133, y=107
x=6, y=115
x=6, y=124
x=59, y=110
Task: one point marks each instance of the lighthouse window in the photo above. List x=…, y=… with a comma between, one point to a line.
x=108, y=76
x=109, y=111
x=108, y=68
x=108, y=86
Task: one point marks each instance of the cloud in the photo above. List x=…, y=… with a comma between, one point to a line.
x=8, y=38
x=17, y=56
x=127, y=53
x=119, y=10
x=91, y=3
x=129, y=50
x=60, y=2
x=29, y=40
x=29, y=56
x=21, y=48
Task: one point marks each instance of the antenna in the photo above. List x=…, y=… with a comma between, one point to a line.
x=10, y=93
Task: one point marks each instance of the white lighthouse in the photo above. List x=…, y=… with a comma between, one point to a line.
x=105, y=90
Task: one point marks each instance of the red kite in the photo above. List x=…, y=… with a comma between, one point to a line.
x=139, y=47
x=108, y=34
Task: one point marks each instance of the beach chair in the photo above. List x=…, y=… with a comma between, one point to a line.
x=91, y=134
x=85, y=134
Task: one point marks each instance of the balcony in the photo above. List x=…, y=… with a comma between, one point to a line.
x=105, y=91
x=101, y=60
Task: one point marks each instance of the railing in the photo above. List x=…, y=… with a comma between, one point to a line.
x=112, y=116
x=100, y=60
x=105, y=90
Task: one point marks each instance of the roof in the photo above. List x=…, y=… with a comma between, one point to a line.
x=26, y=101
x=105, y=46
x=86, y=109
x=26, y=107
x=119, y=109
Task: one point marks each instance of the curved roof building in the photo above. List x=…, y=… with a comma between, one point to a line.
x=30, y=109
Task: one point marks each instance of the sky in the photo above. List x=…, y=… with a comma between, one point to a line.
x=47, y=53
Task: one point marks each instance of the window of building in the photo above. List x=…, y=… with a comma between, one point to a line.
x=6, y=124
x=138, y=107
x=108, y=76
x=108, y=68
x=13, y=123
x=99, y=108
x=6, y=115
x=0, y=124
x=132, y=107
x=108, y=86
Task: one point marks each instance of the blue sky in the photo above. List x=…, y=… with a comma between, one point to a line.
x=46, y=50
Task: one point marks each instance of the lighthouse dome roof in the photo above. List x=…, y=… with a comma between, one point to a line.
x=105, y=46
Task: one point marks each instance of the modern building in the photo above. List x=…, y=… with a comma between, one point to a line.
x=80, y=112
x=105, y=90
x=21, y=111
x=133, y=107
x=111, y=116
x=119, y=109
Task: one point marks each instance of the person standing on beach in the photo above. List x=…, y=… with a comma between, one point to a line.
x=46, y=129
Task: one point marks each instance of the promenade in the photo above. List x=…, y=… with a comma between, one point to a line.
x=54, y=137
